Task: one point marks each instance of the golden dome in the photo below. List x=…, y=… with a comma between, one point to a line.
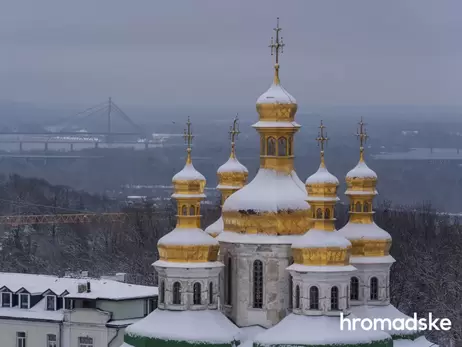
x=187, y=243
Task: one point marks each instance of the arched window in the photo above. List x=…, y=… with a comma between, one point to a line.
x=289, y=146
x=184, y=210
x=358, y=207
x=354, y=292
x=319, y=213
x=177, y=293
x=197, y=293
x=271, y=146
x=334, y=298
x=366, y=207
x=327, y=213
x=374, y=288
x=282, y=147
x=210, y=293
x=229, y=287
x=297, y=296
x=314, y=298
x=192, y=210
x=257, y=284
x=162, y=292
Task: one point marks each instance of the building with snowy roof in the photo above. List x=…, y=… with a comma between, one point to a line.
x=273, y=271
x=42, y=310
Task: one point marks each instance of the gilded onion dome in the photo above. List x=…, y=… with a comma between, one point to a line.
x=366, y=237
x=188, y=243
x=322, y=245
x=274, y=202
x=232, y=176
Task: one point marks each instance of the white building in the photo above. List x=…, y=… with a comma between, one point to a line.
x=49, y=311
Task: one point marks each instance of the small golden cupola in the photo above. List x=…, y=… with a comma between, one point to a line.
x=366, y=237
x=322, y=245
x=188, y=243
x=274, y=202
x=232, y=176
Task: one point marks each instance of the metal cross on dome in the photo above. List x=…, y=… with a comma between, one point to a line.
x=361, y=134
x=234, y=129
x=188, y=136
x=322, y=138
x=277, y=45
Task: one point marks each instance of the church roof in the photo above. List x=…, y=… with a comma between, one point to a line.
x=322, y=176
x=189, y=173
x=276, y=94
x=216, y=227
x=232, y=165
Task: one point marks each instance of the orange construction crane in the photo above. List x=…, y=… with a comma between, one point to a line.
x=63, y=218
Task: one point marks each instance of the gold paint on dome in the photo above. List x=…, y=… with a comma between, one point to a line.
x=268, y=223
x=326, y=256
x=188, y=253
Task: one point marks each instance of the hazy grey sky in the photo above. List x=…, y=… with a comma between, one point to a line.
x=216, y=53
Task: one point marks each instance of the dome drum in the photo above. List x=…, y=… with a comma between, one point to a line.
x=325, y=256
x=188, y=187
x=327, y=190
x=370, y=248
x=188, y=253
x=268, y=223
x=274, y=112
x=233, y=180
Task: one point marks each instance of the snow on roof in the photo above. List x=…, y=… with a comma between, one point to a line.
x=320, y=238
x=357, y=231
x=326, y=268
x=269, y=191
x=322, y=176
x=388, y=311
x=322, y=198
x=276, y=94
x=37, y=312
x=388, y=259
x=232, y=165
x=232, y=237
x=101, y=289
x=188, y=173
x=361, y=170
x=209, y=326
x=274, y=124
x=216, y=227
x=187, y=236
x=248, y=335
x=316, y=330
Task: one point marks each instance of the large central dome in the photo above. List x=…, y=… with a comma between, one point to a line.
x=274, y=202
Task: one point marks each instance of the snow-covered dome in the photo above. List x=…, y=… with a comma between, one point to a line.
x=189, y=173
x=361, y=171
x=322, y=176
x=215, y=228
x=361, y=179
x=232, y=174
x=367, y=239
x=276, y=94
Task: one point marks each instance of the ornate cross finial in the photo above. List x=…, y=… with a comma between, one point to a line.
x=362, y=136
x=233, y=133
x=322, y=138
x=277, y=46
x=188, y=137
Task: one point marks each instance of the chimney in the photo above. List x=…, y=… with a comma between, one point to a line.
x=88, y=287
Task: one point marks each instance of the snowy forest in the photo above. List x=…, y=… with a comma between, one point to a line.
x=427, y=246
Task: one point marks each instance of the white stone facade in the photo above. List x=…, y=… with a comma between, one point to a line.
x=366, y=271
x=206, y=277
x=276, y=297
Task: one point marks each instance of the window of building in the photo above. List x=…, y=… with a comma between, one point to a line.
x=162, y=292
x=354, y=291
x=297, y=296
x=192, y=210
x=366, y=207
x=151, y=305
x=374, y=288
x=314, y=298
x=197, y=293
x=177, y=293
x=51, y=340
x=257, y=284
x=210, y=293
x=334, y=298
x=229, y=287
x=24, y=300
x=184, y=210
x=358, y=207
x=6, y=299
x=21, y=339
x=85, y=341
x=51, y=302
x=318, y=213
x=282, y=147
x=271, y=146
x=68, y=304
x=327, y=213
